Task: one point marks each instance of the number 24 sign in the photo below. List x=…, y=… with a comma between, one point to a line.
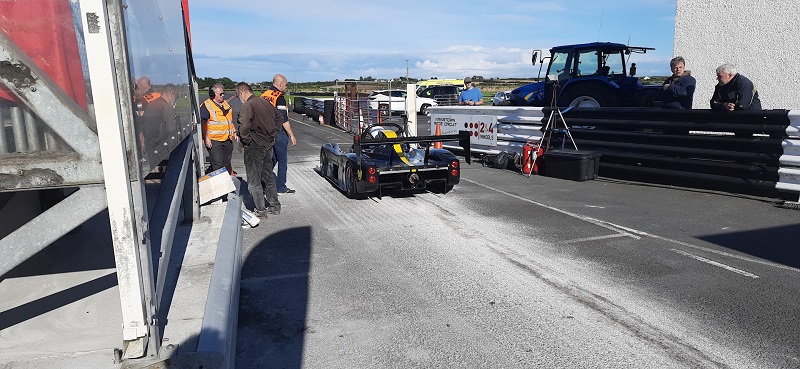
x=482, y=128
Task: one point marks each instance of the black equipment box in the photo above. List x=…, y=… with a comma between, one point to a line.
x=571, y=164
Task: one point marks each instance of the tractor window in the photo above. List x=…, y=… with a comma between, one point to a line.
x=560, y=66
x=587, y=63
x=614, y=63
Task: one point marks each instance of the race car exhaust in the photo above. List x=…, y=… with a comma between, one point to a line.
x=414, y=179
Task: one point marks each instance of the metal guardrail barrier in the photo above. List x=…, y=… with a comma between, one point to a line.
x=218, y=332
x=789, y=171
x=742, y=152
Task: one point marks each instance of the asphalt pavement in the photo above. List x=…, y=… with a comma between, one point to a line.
x=511, y=271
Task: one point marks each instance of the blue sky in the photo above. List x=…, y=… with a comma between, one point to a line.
x=318, y=40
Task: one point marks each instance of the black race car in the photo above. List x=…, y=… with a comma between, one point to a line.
x=384, y=157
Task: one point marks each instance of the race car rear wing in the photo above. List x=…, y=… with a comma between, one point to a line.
x=463, y=138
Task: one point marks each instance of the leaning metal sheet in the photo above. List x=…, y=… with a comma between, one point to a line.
x=157, y=55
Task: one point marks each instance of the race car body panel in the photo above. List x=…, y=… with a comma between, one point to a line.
x=383, y=158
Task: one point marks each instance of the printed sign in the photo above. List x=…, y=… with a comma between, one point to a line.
x=215, y=184
x=482, y=128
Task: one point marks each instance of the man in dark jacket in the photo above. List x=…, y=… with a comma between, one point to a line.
x=258, y=126
x=678, y=89
x=734, y=91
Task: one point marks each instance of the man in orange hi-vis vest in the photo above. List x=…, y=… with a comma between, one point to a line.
x=275, y=96
x=216, y=122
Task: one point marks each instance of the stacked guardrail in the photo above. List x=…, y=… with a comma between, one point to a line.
x=737, y=152
x=789, y=171
x=741, y=152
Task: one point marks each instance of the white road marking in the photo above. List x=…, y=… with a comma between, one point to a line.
x=715, y=263
x=274, y=278
x=634, y=233
x=615, y=235
x=604, y=224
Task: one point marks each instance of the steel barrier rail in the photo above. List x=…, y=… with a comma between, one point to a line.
x=218, y=332
x=735, y=152
x=789, y=171
x=744, y=152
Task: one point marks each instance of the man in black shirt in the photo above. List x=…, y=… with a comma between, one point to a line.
x=258, y=126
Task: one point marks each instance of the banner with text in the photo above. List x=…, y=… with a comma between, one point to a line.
x=482, y=128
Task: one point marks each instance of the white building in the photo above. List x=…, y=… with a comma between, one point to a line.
x=761, y=38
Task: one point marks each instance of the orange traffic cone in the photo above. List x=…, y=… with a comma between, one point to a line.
x=438, y=144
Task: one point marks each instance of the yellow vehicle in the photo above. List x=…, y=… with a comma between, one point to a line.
x=421, y=85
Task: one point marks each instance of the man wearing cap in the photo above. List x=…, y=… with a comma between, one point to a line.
x=471, y=94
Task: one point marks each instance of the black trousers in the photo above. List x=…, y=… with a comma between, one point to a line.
x=221, y=153
x=260, y=177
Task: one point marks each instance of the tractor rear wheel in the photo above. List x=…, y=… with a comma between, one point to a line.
x=587, y=97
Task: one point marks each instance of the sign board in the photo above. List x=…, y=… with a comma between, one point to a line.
x=214, y=185
x=482, y=128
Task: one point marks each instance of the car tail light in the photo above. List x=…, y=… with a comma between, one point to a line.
x=371, y=170
x=454, y=172
x=454, y=164
x=371, y=175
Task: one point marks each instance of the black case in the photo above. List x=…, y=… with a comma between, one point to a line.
x=571, y=164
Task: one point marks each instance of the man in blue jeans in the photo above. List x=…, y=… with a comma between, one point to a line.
x=275, y=96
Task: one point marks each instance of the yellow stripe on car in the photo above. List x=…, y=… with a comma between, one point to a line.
x=397, y=148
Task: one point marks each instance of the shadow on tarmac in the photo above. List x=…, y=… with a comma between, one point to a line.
x=274, y=301
x=767, y=243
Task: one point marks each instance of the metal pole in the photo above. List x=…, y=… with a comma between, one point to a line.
x=3, y=142
x=34, y=144
x=18, y=127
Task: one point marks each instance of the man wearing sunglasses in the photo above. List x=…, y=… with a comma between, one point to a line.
x=216, y=122
x=471, y=95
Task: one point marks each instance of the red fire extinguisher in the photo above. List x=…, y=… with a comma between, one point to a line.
x=530, y=152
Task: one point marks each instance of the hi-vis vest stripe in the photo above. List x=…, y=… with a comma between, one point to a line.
x=220, y=125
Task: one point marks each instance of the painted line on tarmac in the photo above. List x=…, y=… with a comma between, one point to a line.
x=274, y=278
x=715, y=263
x=618, y=229
x=637, y=234
x=310, y=125
x=615, y=235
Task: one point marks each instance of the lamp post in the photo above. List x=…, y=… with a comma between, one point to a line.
x=406, y=70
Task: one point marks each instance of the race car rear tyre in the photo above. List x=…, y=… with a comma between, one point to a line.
x=323, y=163
x=352, y=191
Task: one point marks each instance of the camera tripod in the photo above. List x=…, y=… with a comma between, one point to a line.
x=552, y=127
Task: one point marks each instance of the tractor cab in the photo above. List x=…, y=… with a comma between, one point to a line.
x=585, y=75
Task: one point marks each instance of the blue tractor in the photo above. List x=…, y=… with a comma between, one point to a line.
x=586, y=75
